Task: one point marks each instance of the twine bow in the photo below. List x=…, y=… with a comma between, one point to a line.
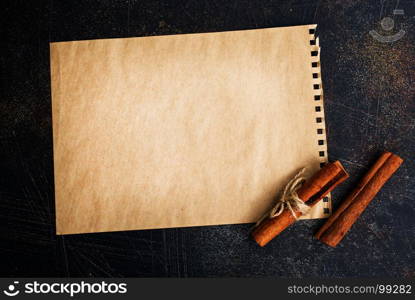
x=289, y=199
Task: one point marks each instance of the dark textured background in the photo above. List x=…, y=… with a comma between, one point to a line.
x=369, y=98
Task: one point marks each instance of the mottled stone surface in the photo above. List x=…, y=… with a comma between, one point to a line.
x=370, y=106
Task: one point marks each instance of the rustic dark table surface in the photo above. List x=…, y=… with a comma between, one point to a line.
x=370, y=106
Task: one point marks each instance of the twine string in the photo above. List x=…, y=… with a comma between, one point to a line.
x=289, y=199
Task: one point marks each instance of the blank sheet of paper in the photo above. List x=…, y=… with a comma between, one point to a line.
x=183, y=130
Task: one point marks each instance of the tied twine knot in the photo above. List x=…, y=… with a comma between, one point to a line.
x=289, y=199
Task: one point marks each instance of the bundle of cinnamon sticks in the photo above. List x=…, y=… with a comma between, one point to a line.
x=313, y=190
x=318, y=186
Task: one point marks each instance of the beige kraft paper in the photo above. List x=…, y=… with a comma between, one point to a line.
x=181, y=130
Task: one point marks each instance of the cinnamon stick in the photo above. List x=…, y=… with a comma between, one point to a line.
x=336, y=227
x=313, y=190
